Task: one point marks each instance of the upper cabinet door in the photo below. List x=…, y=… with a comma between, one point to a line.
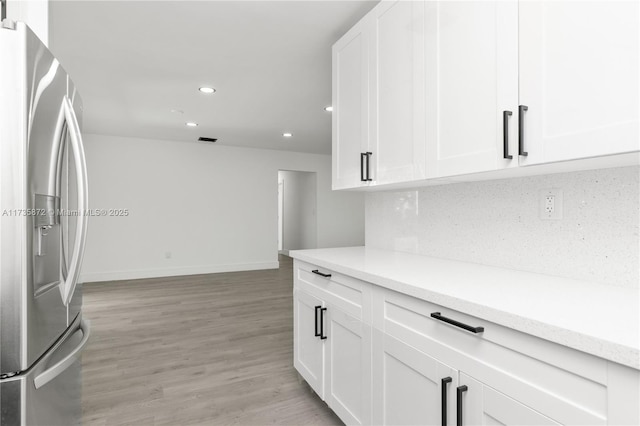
x=579, y=78
x=350, y=131
x=397, y=92
x=471, y=79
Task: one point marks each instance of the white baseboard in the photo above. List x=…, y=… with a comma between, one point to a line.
x=172, y=272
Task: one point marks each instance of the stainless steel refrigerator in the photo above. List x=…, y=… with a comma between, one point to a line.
x=43, y=202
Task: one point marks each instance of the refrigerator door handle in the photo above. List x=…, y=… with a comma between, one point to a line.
x=81, y=171
x=59, y=367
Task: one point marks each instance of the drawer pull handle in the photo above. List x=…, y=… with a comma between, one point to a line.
x=460, y=390
x=315, y=271
x=444, y=386
x=317, y=333
x=439, y=317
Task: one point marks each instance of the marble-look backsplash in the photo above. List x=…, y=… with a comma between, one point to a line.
x=498, y=223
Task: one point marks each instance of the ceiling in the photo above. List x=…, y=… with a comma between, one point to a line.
x=270, y=62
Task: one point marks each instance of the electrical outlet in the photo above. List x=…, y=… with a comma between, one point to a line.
x=551, y=204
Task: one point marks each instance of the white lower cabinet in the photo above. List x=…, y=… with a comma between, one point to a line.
x=381, y=357
x=410, y=387
x=308, y=347
x=332, y=352
x=413, y=388
x=348, y=367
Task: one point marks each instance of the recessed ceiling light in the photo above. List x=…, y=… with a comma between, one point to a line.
x=329, y=108
x=177, y=111
x=287, y=135
x=207, y=90
x=191, y=124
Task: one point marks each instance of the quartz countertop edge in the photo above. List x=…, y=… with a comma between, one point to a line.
x=601, y=320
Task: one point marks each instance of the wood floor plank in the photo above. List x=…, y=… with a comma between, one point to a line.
x=212, y=349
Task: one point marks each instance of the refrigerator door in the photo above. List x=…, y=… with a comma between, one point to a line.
x=49, y=393
x=38, y=131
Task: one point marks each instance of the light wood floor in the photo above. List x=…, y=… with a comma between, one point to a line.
x=205, y=349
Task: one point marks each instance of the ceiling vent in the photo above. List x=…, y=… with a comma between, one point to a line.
x=203, y=139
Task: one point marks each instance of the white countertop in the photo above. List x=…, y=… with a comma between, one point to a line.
x=597, y=319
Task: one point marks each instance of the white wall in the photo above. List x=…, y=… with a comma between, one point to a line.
x=35, y=13
x=213, y=207
x=497, y=223
x=299, y=215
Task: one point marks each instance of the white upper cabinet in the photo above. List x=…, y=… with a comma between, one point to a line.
x=579, y=78
x=451, y=90
x=350, y=132
x=471, y=80
x=397, y=92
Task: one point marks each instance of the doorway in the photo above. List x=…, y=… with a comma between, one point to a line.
x=297, y=217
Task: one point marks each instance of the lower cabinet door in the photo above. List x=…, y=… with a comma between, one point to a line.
x=348, y=383
x=308, y=347
x=483, y=405
x=408, y=385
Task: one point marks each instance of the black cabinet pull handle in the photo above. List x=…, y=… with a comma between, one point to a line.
x=444, y=399
x=459, y=391
x=322, y=335
x=368, y=154
x=315, y=271
x=505, y=135
x=439, y=317
x=362, y=178
x=317, y=333
x=521, y=110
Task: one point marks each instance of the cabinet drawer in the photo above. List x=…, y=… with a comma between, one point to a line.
x=559, y=382
x=349, y=294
